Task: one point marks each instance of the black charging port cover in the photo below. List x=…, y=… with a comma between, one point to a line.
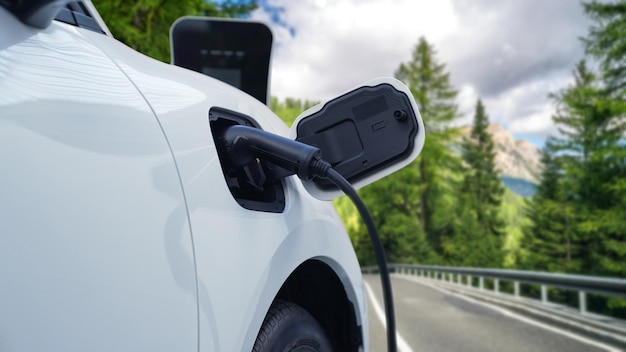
x=362, y=131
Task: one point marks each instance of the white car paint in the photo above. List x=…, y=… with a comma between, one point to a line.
x=117, y=230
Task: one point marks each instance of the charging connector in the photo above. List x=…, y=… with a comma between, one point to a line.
x=244, y=144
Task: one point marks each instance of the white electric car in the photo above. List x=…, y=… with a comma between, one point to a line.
x=120, y=229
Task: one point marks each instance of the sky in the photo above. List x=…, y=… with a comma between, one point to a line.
x=509, y=53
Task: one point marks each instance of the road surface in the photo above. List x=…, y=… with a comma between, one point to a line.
x=430, y=319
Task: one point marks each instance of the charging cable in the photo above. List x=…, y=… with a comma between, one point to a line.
x=244, y=144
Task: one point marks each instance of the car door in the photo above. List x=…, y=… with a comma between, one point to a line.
x=95, y=246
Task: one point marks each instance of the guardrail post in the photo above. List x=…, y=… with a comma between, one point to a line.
x=459, y=279
x=469, y=280
x=544, y=294
x=481, y=283
x=582, y=302
x=516, y=288
x=496, y=285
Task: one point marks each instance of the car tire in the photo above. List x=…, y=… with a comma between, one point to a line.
x=288, y=327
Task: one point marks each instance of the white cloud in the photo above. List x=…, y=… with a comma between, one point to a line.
x=526, y=109
x=340, y=44
x=511, y=54
x=467, y=104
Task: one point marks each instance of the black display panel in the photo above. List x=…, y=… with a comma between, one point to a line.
x=233, y=51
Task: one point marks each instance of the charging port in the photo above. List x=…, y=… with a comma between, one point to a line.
x=252, y=182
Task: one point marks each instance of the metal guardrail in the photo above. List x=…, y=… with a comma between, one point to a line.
x=582, y=284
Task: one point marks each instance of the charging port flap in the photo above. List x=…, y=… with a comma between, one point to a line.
x=365, y=134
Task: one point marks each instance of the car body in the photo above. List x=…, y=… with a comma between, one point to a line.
x=117, y=229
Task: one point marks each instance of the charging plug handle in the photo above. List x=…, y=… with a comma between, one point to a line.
x=245, y=143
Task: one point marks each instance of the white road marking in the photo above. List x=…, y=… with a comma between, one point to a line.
x=521, y=318
x=402, y=345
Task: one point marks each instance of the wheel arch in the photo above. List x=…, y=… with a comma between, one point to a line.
x=317, y=288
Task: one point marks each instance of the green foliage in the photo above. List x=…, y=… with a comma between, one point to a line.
x=435, y=96
x=290, y=109
x=513, y=215
x=607, y=41
x=578, y=219
x=550, y=241
x=393, y=203
x=479, y=238
x=144, y=24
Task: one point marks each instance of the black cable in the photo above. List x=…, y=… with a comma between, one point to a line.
x=343, y=184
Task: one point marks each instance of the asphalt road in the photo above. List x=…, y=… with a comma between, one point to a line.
x=429, y=319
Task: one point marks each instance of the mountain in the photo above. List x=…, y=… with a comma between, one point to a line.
x=518, y=161
x=519, y=186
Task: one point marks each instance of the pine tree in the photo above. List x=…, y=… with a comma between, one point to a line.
x=435, y=96
x=578, y=211
x=479, y=241
x=606, y=42
x=392, y=202
x=593, y=146
x=551, y=242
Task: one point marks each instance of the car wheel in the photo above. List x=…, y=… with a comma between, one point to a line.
x=288, y=327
